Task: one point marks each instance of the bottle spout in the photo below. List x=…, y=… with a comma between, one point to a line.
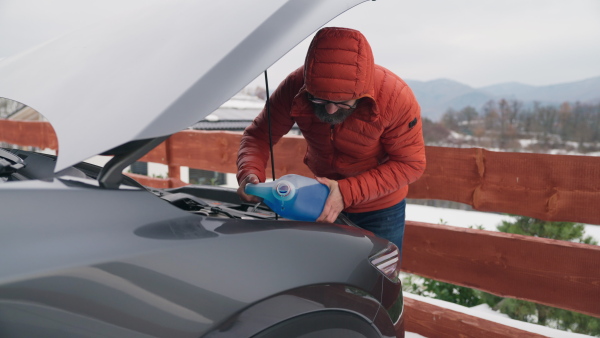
x=257, y=190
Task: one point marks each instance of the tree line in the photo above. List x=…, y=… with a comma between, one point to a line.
x=504, y=124
x=8, y=107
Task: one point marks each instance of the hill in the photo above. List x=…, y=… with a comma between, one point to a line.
x=439, y=95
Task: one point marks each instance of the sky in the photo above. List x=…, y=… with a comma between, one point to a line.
x=479, y=42
x=475, y=42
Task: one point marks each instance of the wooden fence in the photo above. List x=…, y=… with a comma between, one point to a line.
x=551, y=187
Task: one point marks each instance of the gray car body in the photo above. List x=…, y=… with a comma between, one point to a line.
x=92, y=262
x=90, y=255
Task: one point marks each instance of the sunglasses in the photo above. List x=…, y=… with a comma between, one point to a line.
x=323, y=102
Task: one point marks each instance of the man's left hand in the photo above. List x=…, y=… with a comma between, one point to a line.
x=334, y=203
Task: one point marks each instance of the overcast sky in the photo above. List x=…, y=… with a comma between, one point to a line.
x=476, y=42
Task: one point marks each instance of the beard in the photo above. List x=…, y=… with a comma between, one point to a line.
x=338, y=117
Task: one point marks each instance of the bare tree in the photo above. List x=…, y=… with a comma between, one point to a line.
x=468, y=115
x=8, y=107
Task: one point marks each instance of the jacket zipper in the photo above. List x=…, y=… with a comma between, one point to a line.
x=331, y=133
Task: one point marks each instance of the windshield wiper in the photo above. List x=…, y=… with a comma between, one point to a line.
x=10, y=163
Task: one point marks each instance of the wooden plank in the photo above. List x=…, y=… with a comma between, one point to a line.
x=157, y=155
x=161, y=183
x=211, y=150
x=552, y=272
x=434, y=321
x=28, y=133
x=549, y=187
x=289, y=157
x=217, y=151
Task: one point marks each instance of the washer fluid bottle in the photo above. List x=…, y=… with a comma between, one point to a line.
x=292, y=196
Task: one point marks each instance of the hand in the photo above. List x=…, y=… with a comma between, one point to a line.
x=334, y=203
x=245, y=197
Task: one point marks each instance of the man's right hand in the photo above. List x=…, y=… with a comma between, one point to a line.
x=245, y=197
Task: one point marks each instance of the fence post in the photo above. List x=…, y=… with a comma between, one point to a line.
x=173, y=171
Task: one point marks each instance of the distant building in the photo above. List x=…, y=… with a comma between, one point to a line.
x=235, y=115
x=26, y=114
x=16, y=111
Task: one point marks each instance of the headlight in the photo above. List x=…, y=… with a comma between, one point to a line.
x=388, y=262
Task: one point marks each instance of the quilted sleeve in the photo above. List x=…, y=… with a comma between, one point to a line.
x=402, y=140
x=254, y=146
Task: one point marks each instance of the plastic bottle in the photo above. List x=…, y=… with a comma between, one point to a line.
x=292, y=196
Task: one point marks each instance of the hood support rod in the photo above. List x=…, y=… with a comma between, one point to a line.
x=268, y=105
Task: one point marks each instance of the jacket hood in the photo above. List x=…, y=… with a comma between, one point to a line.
x=145, y=75
x=339, y=65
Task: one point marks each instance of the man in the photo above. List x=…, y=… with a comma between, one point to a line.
x=363, y=130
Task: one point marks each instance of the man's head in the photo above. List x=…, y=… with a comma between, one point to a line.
x=339, y=66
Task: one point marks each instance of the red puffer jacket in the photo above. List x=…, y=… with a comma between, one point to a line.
x=375, y=153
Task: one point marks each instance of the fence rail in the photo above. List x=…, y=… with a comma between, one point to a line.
x=550, y=187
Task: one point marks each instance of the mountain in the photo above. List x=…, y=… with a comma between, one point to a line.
x=437, y=96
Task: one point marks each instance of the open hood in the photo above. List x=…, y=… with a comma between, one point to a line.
x=149, y=74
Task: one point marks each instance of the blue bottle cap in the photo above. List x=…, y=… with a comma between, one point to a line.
x=284, y=190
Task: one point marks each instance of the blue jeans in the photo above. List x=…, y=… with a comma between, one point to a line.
x=387, y=223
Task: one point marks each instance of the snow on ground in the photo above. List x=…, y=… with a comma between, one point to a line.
x=489, y=221
x=465, y=219
x=485, y=312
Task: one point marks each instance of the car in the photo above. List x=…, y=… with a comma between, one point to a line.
x=89, y=252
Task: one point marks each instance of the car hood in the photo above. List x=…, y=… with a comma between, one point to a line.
x=149, y=74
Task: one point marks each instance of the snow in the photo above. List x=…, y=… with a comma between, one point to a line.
x=527, y=142
x=465, y=219
x=485, y=312
x=412, y=335
x=489, y=221
x=243, y=101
